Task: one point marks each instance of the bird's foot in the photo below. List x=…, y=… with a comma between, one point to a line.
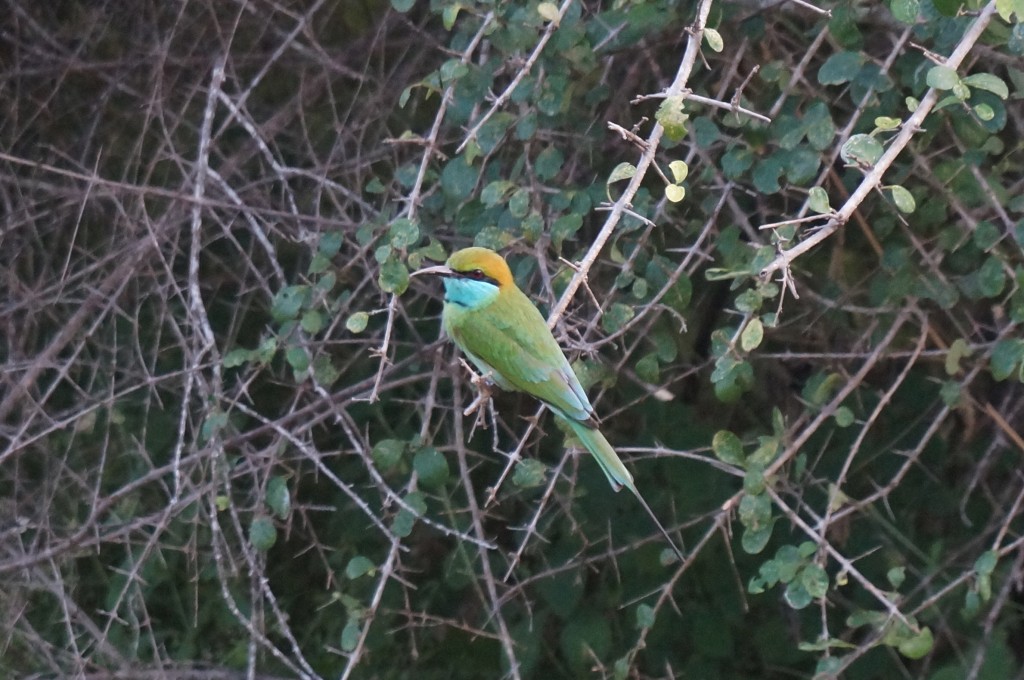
x=483, y=384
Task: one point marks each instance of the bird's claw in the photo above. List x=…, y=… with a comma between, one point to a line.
x=483, y=384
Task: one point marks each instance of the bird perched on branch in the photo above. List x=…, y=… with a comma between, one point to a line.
x=504, y=335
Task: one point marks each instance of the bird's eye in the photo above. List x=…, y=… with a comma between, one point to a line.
x=477, y=274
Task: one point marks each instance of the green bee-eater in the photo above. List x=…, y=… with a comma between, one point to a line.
x=507, y=339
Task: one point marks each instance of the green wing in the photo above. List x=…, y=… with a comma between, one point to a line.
x=509, y=336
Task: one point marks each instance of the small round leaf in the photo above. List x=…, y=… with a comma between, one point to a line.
x=262, y=534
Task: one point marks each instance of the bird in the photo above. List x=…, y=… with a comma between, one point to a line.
x=505, y=336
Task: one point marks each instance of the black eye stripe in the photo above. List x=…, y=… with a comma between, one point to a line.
x=476, y=275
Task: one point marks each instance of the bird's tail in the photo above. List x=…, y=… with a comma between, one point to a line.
x=616, y=472
x=593, y=441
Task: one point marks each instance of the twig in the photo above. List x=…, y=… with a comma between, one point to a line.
x=873, y=177
x=642, y=165
x=708, y=101
x=523, y=72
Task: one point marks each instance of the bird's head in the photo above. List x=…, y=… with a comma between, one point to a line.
x=475, y=264
x=473, y=277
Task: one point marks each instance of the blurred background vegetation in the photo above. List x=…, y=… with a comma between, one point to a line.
x=784, y=254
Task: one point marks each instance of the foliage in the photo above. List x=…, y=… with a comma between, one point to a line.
x=781, y=243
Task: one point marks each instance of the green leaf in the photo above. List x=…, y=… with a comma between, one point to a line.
x=394, y=277
x=330, y=243
x=496, y=192
x=727, y=447
x=671, y=117
x=766, y=175
x=402, y=6
x=237, y=357
x=679, y=170
x=731, y=378
x=714, y=39
x=991, y=277
x=548, y=11
x=319, y=264
x=819, y=126
x=957, y=351
x=752, y=335
x=903, y=199
x=375, y=186
x=404, y=233
x=986, y=562
x=519, y=204
x=298, y=358
x=917, y=646
x=989, y=82
x=796, y=594
x=645, y=616
x=841, y=67
x=753, y=480
x=620, y=172
x=950, y=393
x=617, y=316
x=887, y=123
x=287, y=302
x=755, y=511
x=277, y=497
x=768, y=447
x=262, y=534
x=312, y=321
x=942, y=78
x=896, y=576
x=648, y=369
x=1007, y=8
x=754, y=541
x=861, y=150
x=787, y=563
x=324, y=371
x=736, y=161
x=1005, y=357
x=818, y=201
x=356, y=323
x=565, y=227
x=452, y=70
x=448, y=16
x=212, y=426
x=351, y=632
x=326, y=283
x=866, y=617
x=984, y=584
x=820, y=387
x=387, y=453
x=431, y=466
x=679, y=294
x=266, y=351
x=749, y=301
x=458, y=178
x=548, y=163
x=843, y=416
x=675, y=193
x=906, y=11
x=405, y=520
x=529, y=473
x=972, y=604
x=359, y=566
x=986, y=235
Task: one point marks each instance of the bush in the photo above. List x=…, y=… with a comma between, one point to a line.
x=781, y=245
